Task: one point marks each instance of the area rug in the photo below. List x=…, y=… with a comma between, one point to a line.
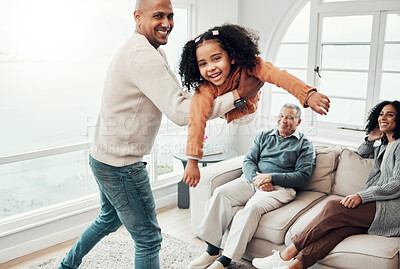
x=116, y=251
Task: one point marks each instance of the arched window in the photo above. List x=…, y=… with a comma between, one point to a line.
x=348, y=50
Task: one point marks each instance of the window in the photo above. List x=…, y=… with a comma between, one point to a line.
x=170, y=137
x=40, y=182
x=53, y=61
x=292, y=56
x=351, y=53
x=344, y=66
x=390, y=76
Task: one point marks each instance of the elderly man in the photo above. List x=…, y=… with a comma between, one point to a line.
x=139, y=88
x=279, y=161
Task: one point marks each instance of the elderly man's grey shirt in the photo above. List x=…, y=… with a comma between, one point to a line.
x=290, y=160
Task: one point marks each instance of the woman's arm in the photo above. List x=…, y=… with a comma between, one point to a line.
x=391, y=189
x=366, y=149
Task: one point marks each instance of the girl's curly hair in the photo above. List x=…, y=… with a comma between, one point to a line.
x=240, y=43
x=372, y=121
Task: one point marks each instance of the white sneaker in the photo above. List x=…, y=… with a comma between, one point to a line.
x=203, y=261
x=271, y=262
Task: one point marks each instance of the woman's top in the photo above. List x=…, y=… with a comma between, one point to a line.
x=383, y=187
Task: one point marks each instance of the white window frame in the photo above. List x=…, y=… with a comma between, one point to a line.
x=335, y=133
x=165, y=128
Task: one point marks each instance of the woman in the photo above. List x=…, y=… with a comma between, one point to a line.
x=363, y=212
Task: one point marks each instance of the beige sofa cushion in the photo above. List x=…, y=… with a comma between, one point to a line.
x=364, y=251
x=351, y=173
x=324, y=172
x=359, y=251
x=273, y=225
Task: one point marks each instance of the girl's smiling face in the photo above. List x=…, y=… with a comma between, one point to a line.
x=214, y=62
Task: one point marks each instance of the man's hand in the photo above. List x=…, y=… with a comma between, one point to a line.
x=376, y=134
x=248, y=86
x=319, y=103
x=268, y=187
x=192, y=173
x=351, y=201
x=261, y=179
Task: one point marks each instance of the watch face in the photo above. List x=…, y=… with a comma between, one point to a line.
x=239, y=103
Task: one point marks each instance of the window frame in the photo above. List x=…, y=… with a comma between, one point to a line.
x=346, y=134
x=169, y=128
x=371, y=66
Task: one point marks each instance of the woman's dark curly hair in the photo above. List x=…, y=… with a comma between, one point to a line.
x=240, y=43
x=372, y=121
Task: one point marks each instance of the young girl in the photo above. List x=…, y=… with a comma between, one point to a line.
x=211, y=64
x=372, y=210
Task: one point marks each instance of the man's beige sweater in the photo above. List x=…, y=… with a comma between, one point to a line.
x=139, y=88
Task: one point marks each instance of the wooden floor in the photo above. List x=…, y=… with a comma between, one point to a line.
x=173, y=221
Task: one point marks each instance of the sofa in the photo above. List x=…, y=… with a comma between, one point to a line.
x=338, y=172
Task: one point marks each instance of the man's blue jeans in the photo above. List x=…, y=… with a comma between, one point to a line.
x=126, y=198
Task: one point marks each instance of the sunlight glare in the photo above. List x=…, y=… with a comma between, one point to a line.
x=47, y=30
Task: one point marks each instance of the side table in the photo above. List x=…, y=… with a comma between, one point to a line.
x=183, y=189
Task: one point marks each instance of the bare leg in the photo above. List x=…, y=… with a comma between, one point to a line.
x=296, y=264
x=290, y=252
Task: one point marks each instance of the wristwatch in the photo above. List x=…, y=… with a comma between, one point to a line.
x=239, y=103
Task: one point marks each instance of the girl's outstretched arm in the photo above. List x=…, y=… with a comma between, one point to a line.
x=267, y=72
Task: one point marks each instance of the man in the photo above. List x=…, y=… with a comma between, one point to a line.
x=139, y=87
x=278, y=162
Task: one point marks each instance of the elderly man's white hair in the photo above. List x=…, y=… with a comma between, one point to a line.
x=298, y=109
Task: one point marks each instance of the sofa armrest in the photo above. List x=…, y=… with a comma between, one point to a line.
x=211, y=177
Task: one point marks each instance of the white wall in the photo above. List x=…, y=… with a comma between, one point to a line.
x=262, y=16
x=211, y=13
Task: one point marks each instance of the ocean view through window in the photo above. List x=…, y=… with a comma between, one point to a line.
x=54, y=57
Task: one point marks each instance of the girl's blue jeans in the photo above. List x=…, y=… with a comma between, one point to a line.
x=126, y=198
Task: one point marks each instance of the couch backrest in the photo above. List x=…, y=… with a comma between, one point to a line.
x=351, y=173
x=323, y=175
